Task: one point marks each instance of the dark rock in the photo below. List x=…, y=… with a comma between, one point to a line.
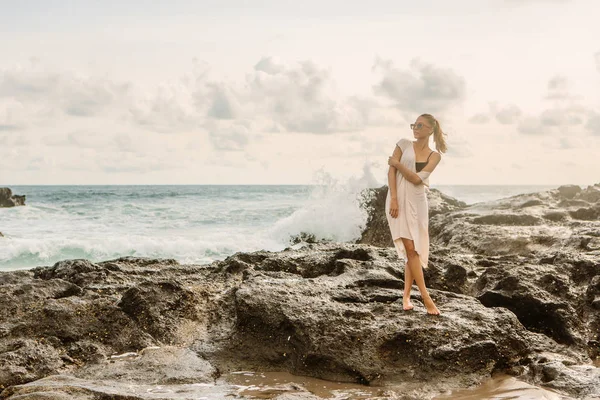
x=160, y=308
x=591, y=194
x=569, y=191
x=327, y=310
x=532, y=203
x=507, y=219
x=7, y=199
x=586, y=214
x=304, y=237
x=581, y=381
x=556, y=216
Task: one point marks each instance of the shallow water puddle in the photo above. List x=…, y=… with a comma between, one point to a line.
x=502, y=387
x=266, y=385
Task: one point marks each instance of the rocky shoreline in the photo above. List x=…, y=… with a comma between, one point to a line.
x=517, y=281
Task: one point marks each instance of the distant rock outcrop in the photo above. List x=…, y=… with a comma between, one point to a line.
x=7, y=199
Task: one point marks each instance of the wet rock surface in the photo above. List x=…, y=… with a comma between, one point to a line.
x=516, y=297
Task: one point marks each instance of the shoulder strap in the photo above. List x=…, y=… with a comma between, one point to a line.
x=429, y=155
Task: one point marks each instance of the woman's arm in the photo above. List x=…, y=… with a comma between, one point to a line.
x=392, y=171
x=392, y=183
x=413, y=177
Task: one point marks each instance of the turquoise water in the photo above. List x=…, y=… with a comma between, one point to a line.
x=192, y=224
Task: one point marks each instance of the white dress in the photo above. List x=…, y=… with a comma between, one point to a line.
x=412, y=221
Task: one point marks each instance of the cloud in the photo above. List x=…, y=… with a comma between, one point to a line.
x=12, y=115
x=423, y=88
x=567, y=142
x=480, y=118
x=87, y=139
x=459, y=147
x=531, y=126
x=597, y=59
x=593, y=123
x=171, y=108
x=554, y=120
x=558, y=88
x=224, y=102
x=302, y=98
x=66, y=92
x=228, y=136
x=508, y=115
x=565, y=117
x=276, y=97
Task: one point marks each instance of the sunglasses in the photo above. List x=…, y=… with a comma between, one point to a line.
x=418, y=126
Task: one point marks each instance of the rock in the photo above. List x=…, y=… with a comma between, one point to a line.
x=160, y=308
x=153, y=366
x=556, y=216
x=538, y=295
x=299, y=311
x=586, y=213
x=507, y=219
x=304, y=237
x=7, y=199
x=579, y=380
x=569, y=191
x=591, y=194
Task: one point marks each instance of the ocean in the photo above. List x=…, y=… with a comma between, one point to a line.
x=194, y=224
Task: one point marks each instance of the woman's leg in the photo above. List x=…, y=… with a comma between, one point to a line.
x=417, y=274
x=408, y=281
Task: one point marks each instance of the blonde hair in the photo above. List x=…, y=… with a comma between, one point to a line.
x=438, y=134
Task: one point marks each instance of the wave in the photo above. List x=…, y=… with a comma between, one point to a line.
x=333, y=211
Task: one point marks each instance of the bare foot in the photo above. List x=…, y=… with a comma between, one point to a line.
x=407, y=305
x=430, y=306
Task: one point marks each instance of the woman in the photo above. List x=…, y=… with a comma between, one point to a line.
x=406, y=205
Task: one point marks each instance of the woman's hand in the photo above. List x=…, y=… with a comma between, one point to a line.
x=393, y=162
x=394, y=208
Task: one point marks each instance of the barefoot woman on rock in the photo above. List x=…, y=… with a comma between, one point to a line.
x=406, y=205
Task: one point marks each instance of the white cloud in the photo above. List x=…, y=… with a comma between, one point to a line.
x=228, y=135
x=65, y=92
x=480, y=118
x=563, y=119
x=593, y=123
x=276, y=98
x=459, y=147
x=597, y=59
x=12, y=115
x=424, y=88
x=171, y=109
x=531, y=126
x=508, y=115
x=224, y=102
x=558, y=88
x=302, y=98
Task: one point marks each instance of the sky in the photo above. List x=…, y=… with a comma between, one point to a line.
x=282, y=92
